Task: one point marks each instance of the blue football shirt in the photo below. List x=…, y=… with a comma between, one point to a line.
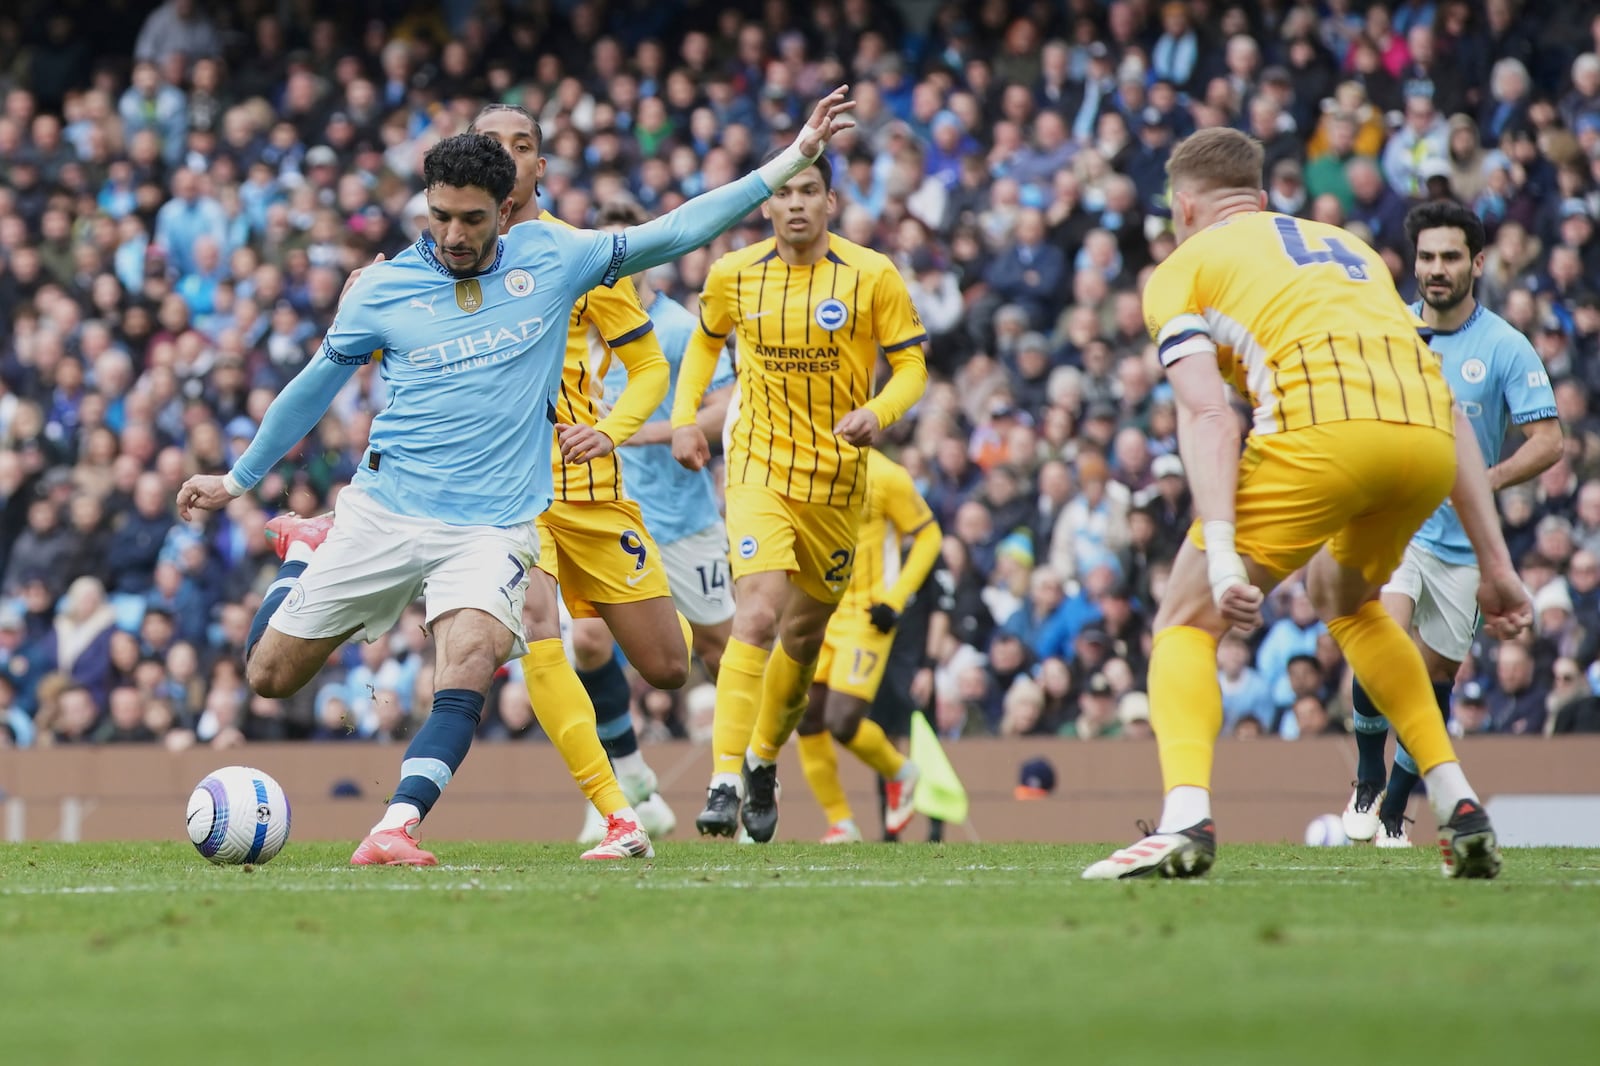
x=1497, y=379
x=676, y=503
x=472, y=366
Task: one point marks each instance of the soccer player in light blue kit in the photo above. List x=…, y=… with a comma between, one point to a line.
x=472, y=330
x=1496, y=378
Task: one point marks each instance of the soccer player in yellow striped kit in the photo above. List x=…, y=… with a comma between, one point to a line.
x=1354, y=443
x=811, y=312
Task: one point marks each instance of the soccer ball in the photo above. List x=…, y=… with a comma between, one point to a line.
x=1326, y=831
x=238, y=814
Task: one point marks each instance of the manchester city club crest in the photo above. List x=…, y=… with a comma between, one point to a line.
x=1474, y=371
x=469, y=295
x=519, y=282
x=832, y=314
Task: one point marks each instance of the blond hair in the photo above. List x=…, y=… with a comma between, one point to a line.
x=1217, y=158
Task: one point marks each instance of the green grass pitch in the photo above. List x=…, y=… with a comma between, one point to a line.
x=917, y=954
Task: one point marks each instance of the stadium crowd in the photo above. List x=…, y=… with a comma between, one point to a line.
x=176, y=225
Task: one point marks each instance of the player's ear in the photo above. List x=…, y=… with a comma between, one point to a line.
x=833, y=202
x=1263, y=196
x=504, y=214
x=1477, y=264
x=766, y=210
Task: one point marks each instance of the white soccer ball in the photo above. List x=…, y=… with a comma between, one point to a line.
x=238, y=814
x=1326, y=831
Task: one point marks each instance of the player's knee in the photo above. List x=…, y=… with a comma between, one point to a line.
x=471, y=668
x=664, y=668
x=592, y=644
x=270, y=677
x=843, y=723
x=756, y=622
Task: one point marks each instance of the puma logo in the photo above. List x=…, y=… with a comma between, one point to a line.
x=427, y=306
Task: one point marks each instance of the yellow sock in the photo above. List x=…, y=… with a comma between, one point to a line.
x=566, y=715
x=872, y=746
x=738, y=704
x=785, y=688
x=1185, y=704
x=821, y=764
x=1391, y=670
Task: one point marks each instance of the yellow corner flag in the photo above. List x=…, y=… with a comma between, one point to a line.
x=939, y=794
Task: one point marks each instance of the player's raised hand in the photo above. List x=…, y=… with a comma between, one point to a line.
x=831, y=115
x=1503, y=599
x=349, y=283
x=204, y=492
x=689, y=447
x=583, y=444
x=860, y=427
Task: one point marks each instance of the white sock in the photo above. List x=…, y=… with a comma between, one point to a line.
x=847, y=824
x=633, y=764
x=298, y=551
x=733, y=780
x=906, y=770
x=756, y=762
x=397, y=816
x=1447, y=786
x=627, y=815
x=1185, y=806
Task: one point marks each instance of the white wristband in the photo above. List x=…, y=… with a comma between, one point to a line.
x=777, y=171
x=1218, y=536
x=232, y=485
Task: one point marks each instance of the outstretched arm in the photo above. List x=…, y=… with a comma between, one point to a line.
x=698, y=222
x=1501, y=595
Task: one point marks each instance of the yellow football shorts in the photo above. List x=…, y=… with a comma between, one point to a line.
x=854, y=655
x=812, y=542
x=600, y=553
x=1361, y=488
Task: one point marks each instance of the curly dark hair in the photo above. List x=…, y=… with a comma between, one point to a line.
x=1447, y=214
x=470, y=160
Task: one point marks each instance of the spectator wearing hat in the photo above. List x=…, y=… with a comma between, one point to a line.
x=1093, y=527
x=1517, y=704
x=1133, y=712
x=1036, y=779
x=1469, y=712
x=1099, y=89
x=1286, y=188
x=1148, y=164
x=1097, y=712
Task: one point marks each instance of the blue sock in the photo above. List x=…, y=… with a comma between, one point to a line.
x=435, y=753
x=1405, y=776
x=608, y=689
x=288, y=574
x=1372, y=734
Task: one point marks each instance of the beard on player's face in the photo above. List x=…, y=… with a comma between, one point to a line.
x=1442, y=292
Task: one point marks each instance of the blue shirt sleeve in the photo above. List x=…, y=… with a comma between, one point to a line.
x=356, y=331
x=601, y=258
x=294, y=413
x=1525, y=382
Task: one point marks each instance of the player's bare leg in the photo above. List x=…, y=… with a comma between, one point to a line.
x=280, y=665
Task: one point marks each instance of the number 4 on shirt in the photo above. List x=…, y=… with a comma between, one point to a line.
x=1294, y=243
